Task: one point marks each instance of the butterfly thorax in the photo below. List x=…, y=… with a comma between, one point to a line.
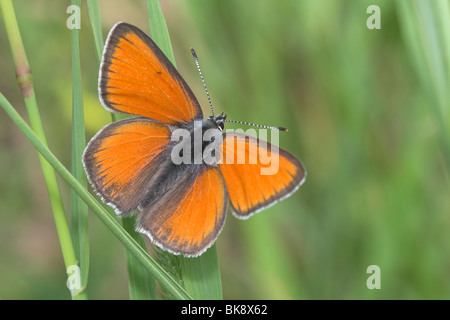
x=198, y=142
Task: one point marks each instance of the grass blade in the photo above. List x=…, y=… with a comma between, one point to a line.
x=79, y=208
x=158, y=29
x=94, y=18
x=25, y=80
x=141, y=283
x=201, y=275
x=423, y=24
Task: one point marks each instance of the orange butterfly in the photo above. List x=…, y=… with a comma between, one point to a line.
x=129, y=162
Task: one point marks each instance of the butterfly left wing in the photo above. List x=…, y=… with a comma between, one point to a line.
x=187, y=210
x=257, y=174
x=137, y=78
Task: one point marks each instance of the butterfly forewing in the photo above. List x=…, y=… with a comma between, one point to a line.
x=137, y=78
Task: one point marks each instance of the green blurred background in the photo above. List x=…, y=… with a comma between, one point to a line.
x=367, y=112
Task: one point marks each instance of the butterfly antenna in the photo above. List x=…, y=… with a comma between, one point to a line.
x=203, y=80
x=258, y=125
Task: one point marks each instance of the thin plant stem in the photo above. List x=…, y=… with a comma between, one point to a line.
x=96, y=26
x=25, y=81
x=79, y=208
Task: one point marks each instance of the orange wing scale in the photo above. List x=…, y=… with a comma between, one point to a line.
x=137, y=78
x=258, y=183
x=119, y=160
x=190, y=216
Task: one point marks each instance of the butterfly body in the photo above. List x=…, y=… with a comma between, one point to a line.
x=179, y=169
x=197, y=133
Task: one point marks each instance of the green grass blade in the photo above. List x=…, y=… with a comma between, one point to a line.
x=141, y=283
x=94, y=18
x=25, y=80
x=201, y=275
x=158, y=29
x=96, y=26
x=159, y=273
x=423, y=24
x=79, y=208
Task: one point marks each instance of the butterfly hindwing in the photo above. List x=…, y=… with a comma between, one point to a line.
x=188, y=211
x=137, y=78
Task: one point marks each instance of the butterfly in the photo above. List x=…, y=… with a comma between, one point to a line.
x=182, y=206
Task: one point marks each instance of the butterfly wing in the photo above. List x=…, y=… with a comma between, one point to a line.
x=188, y=209
x=121, y=159
x=257, y=174
x=137, y=78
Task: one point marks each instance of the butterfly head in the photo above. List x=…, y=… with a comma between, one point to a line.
x=219, y=120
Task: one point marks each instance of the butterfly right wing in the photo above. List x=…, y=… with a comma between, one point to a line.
x=121, y=159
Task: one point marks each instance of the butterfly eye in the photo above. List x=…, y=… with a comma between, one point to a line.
x=220, y=125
